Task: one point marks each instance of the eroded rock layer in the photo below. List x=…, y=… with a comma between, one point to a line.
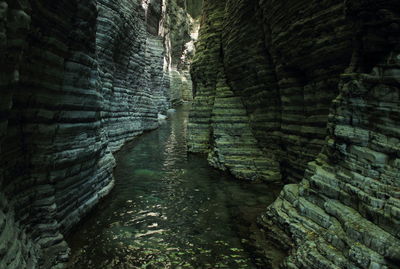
x=78, y=79
x=318, y=83
x=179, y=33
x=345, y=212
x=284, y=69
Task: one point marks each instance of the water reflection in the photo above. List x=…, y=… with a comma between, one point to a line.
x=169, y=210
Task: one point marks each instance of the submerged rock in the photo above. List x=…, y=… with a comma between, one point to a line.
x=146, y=173
x=162, y=118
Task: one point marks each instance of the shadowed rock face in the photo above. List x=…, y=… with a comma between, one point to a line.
x=295, y=91
x=78, y=79
x=313, y=88
x=194, y=7
x=283, y=61
x=179, y=31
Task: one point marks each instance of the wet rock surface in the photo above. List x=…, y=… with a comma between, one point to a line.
x=343, y=214
x=171, y=210
x=318, y=84
x=78, y=80
x=284, y=72
x=302, y=92
x=179, y=31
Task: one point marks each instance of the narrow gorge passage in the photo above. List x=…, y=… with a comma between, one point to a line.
x=295, y=117
x=170, y=210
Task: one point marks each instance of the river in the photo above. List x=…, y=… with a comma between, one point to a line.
x=170, y=210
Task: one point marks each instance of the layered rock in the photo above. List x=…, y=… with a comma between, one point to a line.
x=179, y=31
x=206, y=66
x=16, y=248
x=78, y=79
x=234, y=146
x=285, y=73
x=288, y=70
x=158, y=78
x=194, y=7
x=219, y=123
x=181, y=85
x=344, y=213
x=310, y=45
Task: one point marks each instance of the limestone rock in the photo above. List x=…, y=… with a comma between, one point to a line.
x=345, y=212
x=78, y=79
x=312, y=89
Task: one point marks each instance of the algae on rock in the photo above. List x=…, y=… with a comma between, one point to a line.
x=314, y=87
x=78, y=79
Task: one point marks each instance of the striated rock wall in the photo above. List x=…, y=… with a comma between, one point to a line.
x=177, y=29
x=78, y=79
x=16, y=249
x=192, y=7
x=206, y=66
x=49, y=123
x=181, y=85
x=127, y=62
x=317, y=84
x=219, y=123
x=310, y=46
x=345, y=211
x=284, y=69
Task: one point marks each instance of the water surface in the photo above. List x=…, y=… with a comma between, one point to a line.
x=170, y=210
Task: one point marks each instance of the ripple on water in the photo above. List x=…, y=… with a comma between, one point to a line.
x=169, y=210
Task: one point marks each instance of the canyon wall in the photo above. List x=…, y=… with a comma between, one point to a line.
x=219, y=124
x=312, y=89
x=179, y=33
x=78, y=79
x=283, y=61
